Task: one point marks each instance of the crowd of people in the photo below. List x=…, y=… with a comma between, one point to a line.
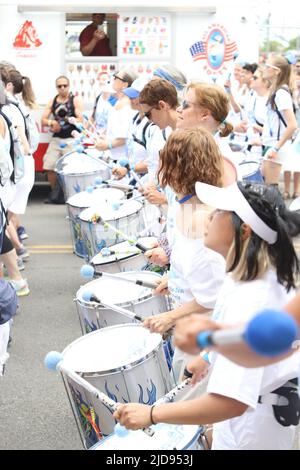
x=227, y=250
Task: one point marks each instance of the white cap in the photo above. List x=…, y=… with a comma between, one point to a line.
x=232, y=199
x=136, y=87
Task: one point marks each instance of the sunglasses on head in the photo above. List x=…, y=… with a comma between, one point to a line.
x=270, y=66
x=62, y=86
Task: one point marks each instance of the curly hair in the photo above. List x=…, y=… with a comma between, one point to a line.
x=190, y=155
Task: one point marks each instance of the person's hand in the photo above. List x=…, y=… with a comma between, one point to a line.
x=119, y=172
x=227, y=86
x=55, y=126
x=162, y=286
x=199, y=368
x=101, y=144
x=154, y=196
x=271, y=154
x=133, y=415
x=159, y=323
x=241, y=127
x=187, y=330
x=256, y=141
x=157, y=256
x=98, y=35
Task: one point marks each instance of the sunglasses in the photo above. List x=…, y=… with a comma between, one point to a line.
x=147, y=114
x=187, y=104
x=270, y=66
x=62, y=86
x=119, y=78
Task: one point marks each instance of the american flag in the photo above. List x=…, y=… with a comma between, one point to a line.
x=230, y=50
x=198, y=50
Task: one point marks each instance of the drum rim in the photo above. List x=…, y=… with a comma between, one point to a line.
x=75, y=174
x=118, y=260
x=132, y=255
x=119, y=368
x=86, y=207
x=121, y=304
x=114, y=219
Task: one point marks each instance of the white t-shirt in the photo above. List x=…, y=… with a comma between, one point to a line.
x=155, y=144
x=257, y=427
x=173, y=206
x=101, y=114
x=196, y=272
x=274, y=128
x=118, y=123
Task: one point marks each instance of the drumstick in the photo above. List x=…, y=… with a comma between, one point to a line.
x=121, y=431
x=81, y=149
x=269, y=334
x=125, y=163
x=72, y=120
x=88, y=271
x=114, y=184
x=54, y=361
x=173, y=393
x=88, y=296
x=88, y=120
x=100, y=220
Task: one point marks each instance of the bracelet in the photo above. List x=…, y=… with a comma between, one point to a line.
x=151, y=415
x=276, y=149
x=205, y=357
x=109, y=145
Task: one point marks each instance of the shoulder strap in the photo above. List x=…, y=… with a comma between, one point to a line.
x=23, y=116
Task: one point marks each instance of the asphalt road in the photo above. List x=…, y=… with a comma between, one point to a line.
x=34, y=409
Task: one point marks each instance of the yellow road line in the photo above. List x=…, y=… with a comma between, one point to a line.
x=48, y=246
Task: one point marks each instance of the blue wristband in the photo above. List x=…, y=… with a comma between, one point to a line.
x=205, y=357
x=109, y=145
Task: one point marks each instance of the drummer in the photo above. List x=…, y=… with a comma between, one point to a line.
x=196, y=274
x=254, y=408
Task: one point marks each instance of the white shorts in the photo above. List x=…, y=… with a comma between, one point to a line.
x=282, y=155
x=54, y=152
x=4, y=337
x=7, y=194
x=23, y=187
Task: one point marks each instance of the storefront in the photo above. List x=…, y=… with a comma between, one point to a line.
x=42, y=40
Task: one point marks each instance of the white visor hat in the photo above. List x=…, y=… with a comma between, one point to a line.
x=232, y=199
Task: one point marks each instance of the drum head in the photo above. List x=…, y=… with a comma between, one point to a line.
x=122, y=248
x=248, y=168
x=74, y=163
x=109, y=349
x=167, y=437
x=108, y=213
x=87, y=199
x=117, y=291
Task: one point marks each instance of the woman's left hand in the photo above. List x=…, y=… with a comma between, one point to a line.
x=133, y=415
x=159, y=323
x=271, y=154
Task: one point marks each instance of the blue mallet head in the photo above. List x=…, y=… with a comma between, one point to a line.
x=121, y=431
x=271, y=333
x=87, y=271
x=98, y=180
x=63, y=145
x=89, y=189
x=87, y=295
x=116, y=205
x=124, y=162
x=79, y=148
x=105, y=251
x=52, y=359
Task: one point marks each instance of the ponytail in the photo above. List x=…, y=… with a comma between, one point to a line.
x=28, y=94
x=225, y=129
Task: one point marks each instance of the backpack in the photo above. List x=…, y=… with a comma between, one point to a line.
x=31, y=130
x=6, y=166
x=16, y=151
x=8, y=301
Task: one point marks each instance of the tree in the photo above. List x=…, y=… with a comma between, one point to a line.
x=272, y=46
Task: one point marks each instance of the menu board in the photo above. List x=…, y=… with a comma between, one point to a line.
x=144, y=36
